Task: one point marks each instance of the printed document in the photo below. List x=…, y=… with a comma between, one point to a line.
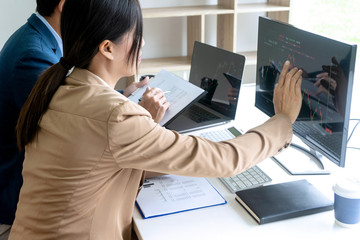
x=169, y=194
x=178, y=92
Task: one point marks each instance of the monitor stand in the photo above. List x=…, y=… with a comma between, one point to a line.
x=300, y=161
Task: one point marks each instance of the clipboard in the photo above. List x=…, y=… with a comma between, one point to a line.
x=170, y=194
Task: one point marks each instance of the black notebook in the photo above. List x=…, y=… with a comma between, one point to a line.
x=283, y=201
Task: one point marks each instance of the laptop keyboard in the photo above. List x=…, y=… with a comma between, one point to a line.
x=198, y=114
x=252, y=177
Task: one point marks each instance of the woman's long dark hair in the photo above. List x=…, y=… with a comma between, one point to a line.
x=85, y=24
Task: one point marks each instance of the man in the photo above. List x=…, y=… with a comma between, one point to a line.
x=29, y=51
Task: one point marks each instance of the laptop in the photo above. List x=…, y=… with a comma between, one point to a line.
x=220, y=73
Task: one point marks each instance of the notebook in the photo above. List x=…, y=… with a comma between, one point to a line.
x=219, y=72
x=283, y=201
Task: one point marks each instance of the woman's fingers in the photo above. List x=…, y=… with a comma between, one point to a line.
x=154, y=101
x=287, y=93
x=283, y=73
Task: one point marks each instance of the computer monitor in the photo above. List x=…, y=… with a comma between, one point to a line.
x=328, y=70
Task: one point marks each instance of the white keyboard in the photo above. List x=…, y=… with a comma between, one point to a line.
x=253, y=177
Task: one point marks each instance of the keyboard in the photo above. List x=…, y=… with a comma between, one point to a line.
x=198, y=114
x=252, y=177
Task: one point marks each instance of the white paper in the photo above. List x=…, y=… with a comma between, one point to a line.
x=171, y=194
x=178, y=92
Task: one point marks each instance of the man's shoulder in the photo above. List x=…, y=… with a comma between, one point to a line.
x=32, y=38
x=27, y=46
x=26, y=55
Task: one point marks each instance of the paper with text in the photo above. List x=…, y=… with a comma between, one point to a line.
x=178, y=92
x=172, y=194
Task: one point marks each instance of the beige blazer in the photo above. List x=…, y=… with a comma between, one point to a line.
x=84, y=169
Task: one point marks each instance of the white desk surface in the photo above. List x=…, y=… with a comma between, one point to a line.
x=231, y=221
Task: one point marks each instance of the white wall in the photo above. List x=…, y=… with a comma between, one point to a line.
x=163, y=37
x=13, y=14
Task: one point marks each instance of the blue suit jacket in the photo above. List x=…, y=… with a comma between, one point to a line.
x=28, y=52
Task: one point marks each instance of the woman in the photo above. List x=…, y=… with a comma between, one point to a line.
x=87, y=146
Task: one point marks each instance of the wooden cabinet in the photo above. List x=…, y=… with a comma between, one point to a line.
x=227, y=12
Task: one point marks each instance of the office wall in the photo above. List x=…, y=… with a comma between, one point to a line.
x=163, y=38
x=167, y=37
x=13, y=14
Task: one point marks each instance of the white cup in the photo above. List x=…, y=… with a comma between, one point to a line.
x=347, y=202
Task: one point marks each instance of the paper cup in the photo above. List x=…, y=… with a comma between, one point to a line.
x=347, y=202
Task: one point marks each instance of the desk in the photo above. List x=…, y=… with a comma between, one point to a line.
x=231, y=221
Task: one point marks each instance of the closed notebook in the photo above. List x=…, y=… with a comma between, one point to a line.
x=283, y=201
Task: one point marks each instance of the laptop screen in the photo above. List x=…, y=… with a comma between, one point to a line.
x=219, y=72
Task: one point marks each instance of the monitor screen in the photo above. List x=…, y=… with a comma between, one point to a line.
x=328, y=70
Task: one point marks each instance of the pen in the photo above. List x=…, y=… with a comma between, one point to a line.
x=163, y=92
x=148, y=185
